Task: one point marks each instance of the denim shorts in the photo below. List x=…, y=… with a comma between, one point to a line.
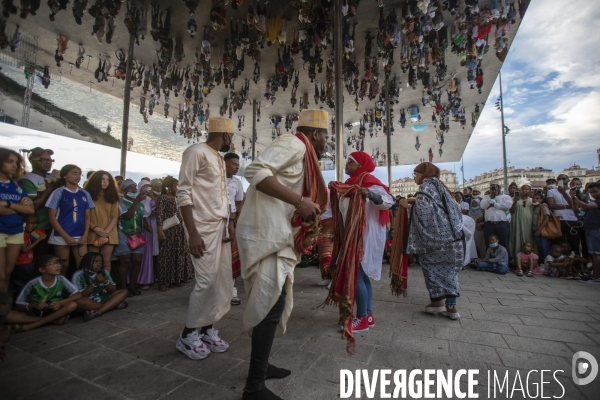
x=592, y=237
x=122, y=249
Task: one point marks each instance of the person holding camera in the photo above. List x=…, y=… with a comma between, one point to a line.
x=560, y=203
x=497, y=215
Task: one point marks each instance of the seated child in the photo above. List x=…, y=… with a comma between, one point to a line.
x=576, y=262
x=98, y=291
x=497, y=258
x=527, y=260
x=23, y=271
x=555, y=262
x=47, y=298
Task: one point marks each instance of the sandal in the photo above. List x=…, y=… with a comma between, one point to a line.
x=163, y=288
x=122, y=305
x=61, y=321
x=89, y=315
x=519, y=272
x=15, y=328
x=530, y=274
x=134, y=292
x=178, y=284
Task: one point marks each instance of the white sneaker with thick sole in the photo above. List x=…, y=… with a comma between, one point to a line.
x=193, y=346
x=214, y=342
x=324, y=282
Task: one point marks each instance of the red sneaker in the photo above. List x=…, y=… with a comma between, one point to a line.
x=370, y=320
x=360, y=324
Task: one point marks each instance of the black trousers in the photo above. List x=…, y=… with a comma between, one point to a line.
x=500, y=229
x=571, y=232
x=262, y=341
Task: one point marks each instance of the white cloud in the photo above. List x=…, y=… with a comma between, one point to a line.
x=555, y=122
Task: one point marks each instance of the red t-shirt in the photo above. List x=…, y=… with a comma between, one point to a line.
x=25, y=258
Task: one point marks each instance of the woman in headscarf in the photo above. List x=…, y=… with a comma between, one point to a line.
x=436, y=235
x=372, y=227
x=476, y=212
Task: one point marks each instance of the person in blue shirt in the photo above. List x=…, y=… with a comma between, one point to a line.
x=13, y=202
x=69, y=215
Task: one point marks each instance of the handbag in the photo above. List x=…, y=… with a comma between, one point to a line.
x=552, y=229
x=170, y=222
x=136, y=240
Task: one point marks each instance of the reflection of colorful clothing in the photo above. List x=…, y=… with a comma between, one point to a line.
x=325, y=247
x=70, y=209
x=100, y=294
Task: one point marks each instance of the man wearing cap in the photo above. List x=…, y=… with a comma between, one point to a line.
x=286, y=195
x=39, y=186
x=204, y=203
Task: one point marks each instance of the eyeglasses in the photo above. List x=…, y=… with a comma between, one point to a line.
x=48, y=160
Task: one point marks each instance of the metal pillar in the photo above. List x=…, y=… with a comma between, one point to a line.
x=503, y=136
x=30, y=67
x=388, y=124
x=253, y=129
x=339, y=92
x=126, y=106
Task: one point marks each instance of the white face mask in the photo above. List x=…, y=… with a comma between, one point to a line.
x=536, y=204
x=553, y=186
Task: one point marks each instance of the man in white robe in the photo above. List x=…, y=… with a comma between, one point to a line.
x=204, y=203
x=266, y=240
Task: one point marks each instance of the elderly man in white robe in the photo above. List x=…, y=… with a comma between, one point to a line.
x=285, y=184
x=204, y=203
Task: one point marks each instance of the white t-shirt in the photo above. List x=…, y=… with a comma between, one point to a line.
x=565, y=215
x=235, y=190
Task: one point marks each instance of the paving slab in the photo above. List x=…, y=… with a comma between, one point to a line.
x=117, y=356
x=141, y=380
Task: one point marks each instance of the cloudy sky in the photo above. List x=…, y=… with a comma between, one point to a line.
x=551, y=85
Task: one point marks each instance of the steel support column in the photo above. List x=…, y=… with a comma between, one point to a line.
x=339, y=92
x=388, y=124
x=503, y=136
x=253, y=129
x=126, y=106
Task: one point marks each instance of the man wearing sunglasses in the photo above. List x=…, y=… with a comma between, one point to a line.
x=39, y=186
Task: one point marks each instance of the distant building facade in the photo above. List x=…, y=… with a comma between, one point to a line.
x=535, y=177
x=405, y=186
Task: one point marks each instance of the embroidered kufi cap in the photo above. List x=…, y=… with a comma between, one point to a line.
x=314, y=119
x=220, y=124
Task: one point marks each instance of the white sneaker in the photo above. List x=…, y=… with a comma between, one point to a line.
x=329, y=286
x=324, y=282
x=214, y=342
x=193, y=346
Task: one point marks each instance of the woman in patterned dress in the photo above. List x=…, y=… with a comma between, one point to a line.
x=435, y=233
x=174, y=263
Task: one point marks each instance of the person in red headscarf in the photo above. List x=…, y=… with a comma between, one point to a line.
x=378, y=202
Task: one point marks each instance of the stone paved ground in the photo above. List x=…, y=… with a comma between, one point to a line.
x=508, y=324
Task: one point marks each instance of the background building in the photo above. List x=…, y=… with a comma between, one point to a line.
x=536, y=177
x=585, y=175
x=405, y=186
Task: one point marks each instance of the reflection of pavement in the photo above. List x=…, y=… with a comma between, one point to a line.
x=37, y=120
x=508, y=324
